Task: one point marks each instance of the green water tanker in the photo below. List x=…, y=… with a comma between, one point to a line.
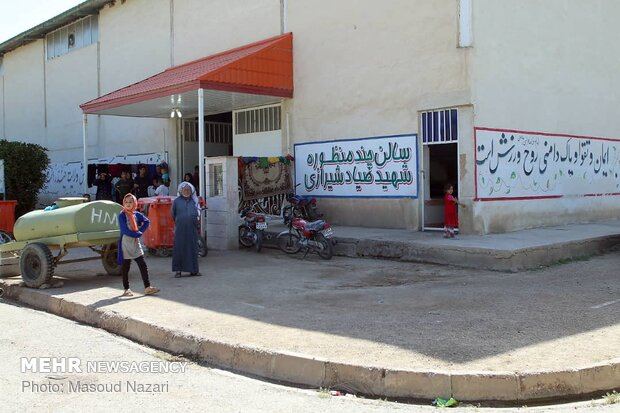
x=38, y=233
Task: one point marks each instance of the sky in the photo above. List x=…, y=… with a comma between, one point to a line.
x=19, y=16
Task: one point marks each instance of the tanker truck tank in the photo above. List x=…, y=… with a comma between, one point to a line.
x=93, y=216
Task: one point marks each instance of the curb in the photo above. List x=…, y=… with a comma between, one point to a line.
x=306, y=370
x=473, y=257
x=478, y=258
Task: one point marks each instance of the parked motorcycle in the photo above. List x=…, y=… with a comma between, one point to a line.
x=310, y=236
x=252, y=230
x=303, y=206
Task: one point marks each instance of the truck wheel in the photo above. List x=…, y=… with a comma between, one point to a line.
x=36, y=264
x=109, y=259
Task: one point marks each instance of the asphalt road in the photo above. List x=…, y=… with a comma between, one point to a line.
x=30, y=338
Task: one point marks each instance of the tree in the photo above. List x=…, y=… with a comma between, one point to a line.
x=24, y=172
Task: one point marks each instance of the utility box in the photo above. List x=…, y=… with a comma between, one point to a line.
x=7, y=215
x=222, y=196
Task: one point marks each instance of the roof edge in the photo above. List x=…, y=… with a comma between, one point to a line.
x=92, y=107
x=87, y=107
x=38, y=32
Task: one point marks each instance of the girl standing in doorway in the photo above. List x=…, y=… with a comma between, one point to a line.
x=451, y=217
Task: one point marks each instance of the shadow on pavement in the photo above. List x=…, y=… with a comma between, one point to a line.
x=378, y=311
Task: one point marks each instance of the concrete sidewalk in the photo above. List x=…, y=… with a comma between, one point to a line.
x=376, y=327
x=513, y=251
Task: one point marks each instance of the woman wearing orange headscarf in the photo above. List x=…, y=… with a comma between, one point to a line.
x=132, y=225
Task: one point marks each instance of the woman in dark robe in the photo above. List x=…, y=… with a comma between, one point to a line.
x=185, y=216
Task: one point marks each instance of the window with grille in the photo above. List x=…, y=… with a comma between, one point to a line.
x=78, y=34
x=215, y=132
x=439, y=126
x=263, y=119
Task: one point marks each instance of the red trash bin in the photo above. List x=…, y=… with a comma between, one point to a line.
x=7, y=215
x=159, y=238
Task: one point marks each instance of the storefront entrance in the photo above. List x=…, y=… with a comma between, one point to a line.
x=439, y=131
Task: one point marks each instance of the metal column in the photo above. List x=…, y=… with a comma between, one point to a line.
x=201, y=155
x=85, y=164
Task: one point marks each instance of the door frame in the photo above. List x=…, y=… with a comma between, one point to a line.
x=431, y=133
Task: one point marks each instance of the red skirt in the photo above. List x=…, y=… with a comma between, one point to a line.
x=451, y=217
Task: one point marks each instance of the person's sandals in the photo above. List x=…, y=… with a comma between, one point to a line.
x=178, y=274
x=127, y=293
x=151, y=290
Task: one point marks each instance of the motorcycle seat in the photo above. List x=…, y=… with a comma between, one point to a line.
x=315, y=225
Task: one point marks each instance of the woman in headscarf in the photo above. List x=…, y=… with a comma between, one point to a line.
x=132, y=225
x=185, y=216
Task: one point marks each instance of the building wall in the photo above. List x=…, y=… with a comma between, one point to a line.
x=69, y=79
x=367, y=72
x=270, y=144
x=45, y=94
x=2, y=104
x=547, y=67
x=202, y=28
x=24, y=83
x=362, y=68
x=135, y=43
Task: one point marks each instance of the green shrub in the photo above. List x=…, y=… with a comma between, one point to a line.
x=24, y=172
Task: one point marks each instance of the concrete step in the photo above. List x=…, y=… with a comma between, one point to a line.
x=509, y=252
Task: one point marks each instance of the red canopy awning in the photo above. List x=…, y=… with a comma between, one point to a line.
x=260, y=69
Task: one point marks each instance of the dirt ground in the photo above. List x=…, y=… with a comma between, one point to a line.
x=379, y=312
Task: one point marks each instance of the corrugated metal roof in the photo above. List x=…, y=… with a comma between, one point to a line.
x=261, y=68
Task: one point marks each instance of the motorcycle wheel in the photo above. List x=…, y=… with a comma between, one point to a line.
x=289, y=243
x=202, y=247
x=246, y=238
x=259, y=240
x=327, y=252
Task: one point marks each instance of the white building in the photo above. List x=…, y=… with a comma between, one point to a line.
x=512, y=101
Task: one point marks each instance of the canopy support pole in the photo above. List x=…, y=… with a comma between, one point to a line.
x=201, y=156
x=201, y=143
x=85, y=161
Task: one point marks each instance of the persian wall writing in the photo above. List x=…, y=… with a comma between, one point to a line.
x=384, y=166
x=512, y=164
x=64, y=179
x=133, y=159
